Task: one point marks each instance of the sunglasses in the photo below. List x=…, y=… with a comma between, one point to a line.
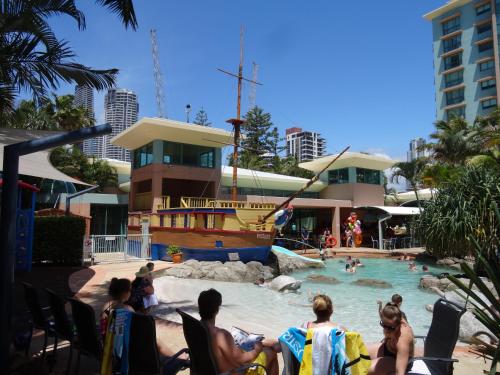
x=389, y=328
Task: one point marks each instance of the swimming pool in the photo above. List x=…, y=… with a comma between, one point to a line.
x=264, y=311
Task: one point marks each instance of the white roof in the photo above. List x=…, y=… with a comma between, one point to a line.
x=36, y=164
x=266, y=180
x=148, y=129
x=396, y=210
x=350, y=159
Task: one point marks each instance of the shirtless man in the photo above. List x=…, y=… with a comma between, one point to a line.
x=227, y=354
x=392, y=355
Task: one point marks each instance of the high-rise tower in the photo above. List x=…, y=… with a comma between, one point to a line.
x=120, y=111
x=84, y=97
x=304, y=145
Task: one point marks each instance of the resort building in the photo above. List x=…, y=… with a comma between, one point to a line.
x=175, y=164
x=466, y=57
x=120, y=111
x=304, y=145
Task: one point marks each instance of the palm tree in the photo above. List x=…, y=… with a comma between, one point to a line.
x=33, y=59
x=411, y=171
x=67, y=116
x=453, y=141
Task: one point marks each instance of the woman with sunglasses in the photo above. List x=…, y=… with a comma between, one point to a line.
x=392, y=354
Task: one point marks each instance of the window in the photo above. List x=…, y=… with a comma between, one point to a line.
x=483, y=9
x=338, y=176
x=143, y=156
x=452, y=43
x=455, y=112
x=451, y=25
x=452, y=61
x=485, y=46
x=453, y=79
x=490, y=64
x=489, y=103
x=488, y=84
x=191, y=155
x=367, y=176
x=484, y=28
x=454, y=97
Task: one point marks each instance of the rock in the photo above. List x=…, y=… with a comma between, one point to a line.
x=373, y=283
x=284, y=283
x=445, y=262
x=323, y=279
x=429, y=281
x=192, y=263
x=288, y=263
x=180, y=271
x=456, y=266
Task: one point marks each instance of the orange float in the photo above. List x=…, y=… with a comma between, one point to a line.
x=331, y=241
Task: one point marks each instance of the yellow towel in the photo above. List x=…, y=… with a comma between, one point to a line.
x=306, y=366
x=261, y=360
x=107, y=358
x=357, y=353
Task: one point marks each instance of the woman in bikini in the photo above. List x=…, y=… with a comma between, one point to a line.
x=392, y=355
x=323, y=309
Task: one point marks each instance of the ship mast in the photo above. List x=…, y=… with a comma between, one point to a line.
x=237, y=122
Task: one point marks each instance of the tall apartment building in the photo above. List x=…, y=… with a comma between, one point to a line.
x=84, y=97
x=415, y=151
x=120, y=111
x=466, y=57
x=304, y=145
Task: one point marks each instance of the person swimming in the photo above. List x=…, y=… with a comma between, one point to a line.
x=412, y=266
x=358, y=263
x=425, y=268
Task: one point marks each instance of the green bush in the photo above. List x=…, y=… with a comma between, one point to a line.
x=462, y=210
x=58, y=240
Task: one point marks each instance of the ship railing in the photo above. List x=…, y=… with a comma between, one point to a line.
x=164, y=202
x=192, y=202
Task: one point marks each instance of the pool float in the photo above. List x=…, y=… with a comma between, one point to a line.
x=331, y=241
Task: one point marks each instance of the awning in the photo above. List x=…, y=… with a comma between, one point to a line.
x=36, y=164
x=394, y=210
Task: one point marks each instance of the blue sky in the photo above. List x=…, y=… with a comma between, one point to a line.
x=359, y=72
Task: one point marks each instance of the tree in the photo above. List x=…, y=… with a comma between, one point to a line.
x=290, y=167
x=33, y=59
x=411, y=171
x=201, y=118
x=275, y=149
x=73, y=162
x=59, y=114
x=256, y=131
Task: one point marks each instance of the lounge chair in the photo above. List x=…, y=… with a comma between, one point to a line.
x=441, y=338
x=88, y=341
x=374, y=243
x=143, y=355
x=39, y=319
x=200, y=349
x=62, y=325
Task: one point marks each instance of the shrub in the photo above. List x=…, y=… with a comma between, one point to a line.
x=173, y=249
x=462, y=210
x=58, y=239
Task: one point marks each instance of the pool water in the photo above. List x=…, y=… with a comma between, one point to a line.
x=265, y=311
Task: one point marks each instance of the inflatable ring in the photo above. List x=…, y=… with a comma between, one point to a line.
x=331, y=241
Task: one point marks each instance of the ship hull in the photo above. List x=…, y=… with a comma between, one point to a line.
x=214, y=245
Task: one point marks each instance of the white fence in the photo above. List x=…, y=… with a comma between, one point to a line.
x=117, y=248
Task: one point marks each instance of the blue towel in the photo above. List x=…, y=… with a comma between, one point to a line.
x=121, y=330
x=295, y=339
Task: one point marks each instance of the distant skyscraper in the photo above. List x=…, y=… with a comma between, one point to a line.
x=304, y=145
x=416, y=150
x=84, y=97
x=120, y=111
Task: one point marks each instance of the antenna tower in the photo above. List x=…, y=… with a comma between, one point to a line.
x=160, y=97
x=253, y=86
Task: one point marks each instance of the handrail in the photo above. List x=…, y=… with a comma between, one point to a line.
x=290, y=239
x=193, y=202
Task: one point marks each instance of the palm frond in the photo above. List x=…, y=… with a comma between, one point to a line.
x=124, y=9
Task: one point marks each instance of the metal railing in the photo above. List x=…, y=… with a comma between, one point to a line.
x=118, y=248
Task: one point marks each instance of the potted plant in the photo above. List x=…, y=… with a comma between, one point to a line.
x=175, y=252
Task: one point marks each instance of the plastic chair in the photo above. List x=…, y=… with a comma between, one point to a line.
x=143, y=355
x=39, y=319
x=200, y=348
x=374, y=242
x=62, y=325
x=441, y=338
x=88, y=340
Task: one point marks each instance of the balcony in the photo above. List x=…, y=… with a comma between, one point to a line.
x=193, y=202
